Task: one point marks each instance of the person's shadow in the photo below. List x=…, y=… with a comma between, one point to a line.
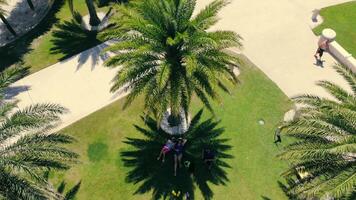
x=158, y=178
x=319, y=62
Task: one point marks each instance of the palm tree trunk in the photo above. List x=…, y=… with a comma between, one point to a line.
x=94, y=19
x=8, y=26
x=29, y=2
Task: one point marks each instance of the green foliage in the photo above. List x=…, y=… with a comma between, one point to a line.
x=168, y=55
x=254, y=169
x=26, y=148
x=11, y=75
x=326, y=141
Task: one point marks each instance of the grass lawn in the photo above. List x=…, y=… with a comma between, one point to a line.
x=341, y=18
x=254, y=169
x=34, y=47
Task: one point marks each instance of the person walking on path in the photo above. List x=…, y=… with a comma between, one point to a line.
x=323, y=46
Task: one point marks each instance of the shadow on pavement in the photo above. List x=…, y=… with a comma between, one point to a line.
x=13, y=52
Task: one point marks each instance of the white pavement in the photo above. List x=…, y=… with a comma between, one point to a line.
x=81, y=84
x=277, y=38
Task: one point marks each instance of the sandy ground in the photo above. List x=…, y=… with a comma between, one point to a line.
x=277, y=38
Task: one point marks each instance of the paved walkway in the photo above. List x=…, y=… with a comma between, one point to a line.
x=277, y=39
x=81, y=84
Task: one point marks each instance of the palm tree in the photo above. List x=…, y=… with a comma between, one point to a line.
x=326, y=141
x=168, y=55
x=94, y=19
x=3, y=19
x=26, y=148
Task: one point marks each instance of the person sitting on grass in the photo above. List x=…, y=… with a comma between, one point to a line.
x=166, y=148
x=178, y=154
x=208, y=157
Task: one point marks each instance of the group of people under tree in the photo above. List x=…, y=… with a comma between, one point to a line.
x=178, y=146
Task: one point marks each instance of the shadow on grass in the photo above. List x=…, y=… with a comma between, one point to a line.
x=13, y=52
x=157, y=177
x=70, y=38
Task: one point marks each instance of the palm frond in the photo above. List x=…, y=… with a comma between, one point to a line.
x=326, y=144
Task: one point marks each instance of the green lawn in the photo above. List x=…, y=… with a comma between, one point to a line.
x=34, y=47
x=341, y=18
x=255, y=170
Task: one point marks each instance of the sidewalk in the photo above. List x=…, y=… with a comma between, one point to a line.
x=278, y=39
x=81, y=84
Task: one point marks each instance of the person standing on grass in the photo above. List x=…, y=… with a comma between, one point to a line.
x=323, y=46
x=178, y=154
x=277, y=136
x=166, y=148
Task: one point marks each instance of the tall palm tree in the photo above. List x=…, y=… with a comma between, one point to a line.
x=3, y=19
x=26, y=148
x=326, y=141
x=168, y=54
x=94, y=19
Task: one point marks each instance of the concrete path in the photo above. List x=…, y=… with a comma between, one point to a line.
x=81, y=84
x=277, y=39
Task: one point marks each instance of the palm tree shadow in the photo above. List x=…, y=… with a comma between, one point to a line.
x=71, y=38
x=158, y=178
x=14, y=51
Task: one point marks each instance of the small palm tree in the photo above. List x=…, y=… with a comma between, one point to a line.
x=168, y=55
x=326, y=141
x=26, y=148
x=3, y=19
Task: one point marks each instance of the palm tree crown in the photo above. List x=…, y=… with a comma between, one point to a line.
x=26, y=148
x=167, y=54
x=326, y=141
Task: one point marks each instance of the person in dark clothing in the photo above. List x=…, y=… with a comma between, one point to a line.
x=323, y=46
x=178, y=154
x=208, y=157
x=277, y=136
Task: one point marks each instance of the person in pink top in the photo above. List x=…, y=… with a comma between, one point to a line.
x=165, y=149
x=323, y=46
